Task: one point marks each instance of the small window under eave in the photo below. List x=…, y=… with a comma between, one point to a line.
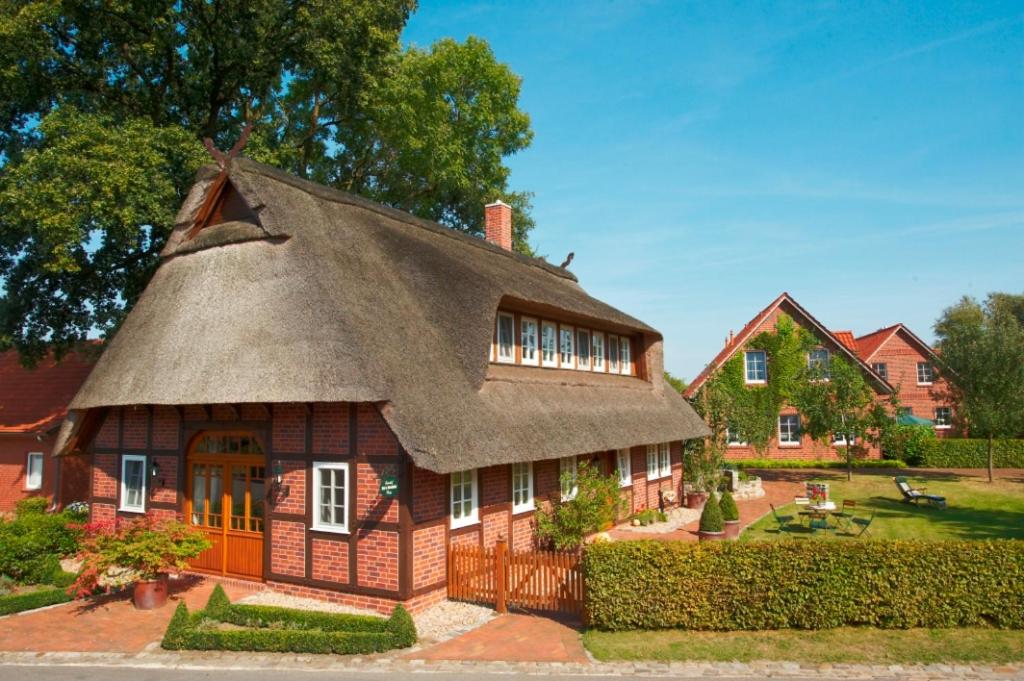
x=223, y=203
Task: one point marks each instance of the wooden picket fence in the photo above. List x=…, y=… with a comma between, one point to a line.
x=549, y=581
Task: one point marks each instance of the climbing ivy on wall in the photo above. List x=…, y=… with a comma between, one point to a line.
x=726, y=400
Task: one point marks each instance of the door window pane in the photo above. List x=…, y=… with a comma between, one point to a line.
x=198, y=494
x=216, y=496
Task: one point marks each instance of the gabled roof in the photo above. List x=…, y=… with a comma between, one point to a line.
x=323, y=296
x=33, y=401
x=750, y=330
x=868, y=345
x=847, y=339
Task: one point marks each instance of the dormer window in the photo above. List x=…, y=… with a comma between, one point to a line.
x=506, y=338
x=613, y=354
x=755, y=366
x=528, y=341
x=549, y=345
x=566, y=347
x=583, y=350
x=818, y=361
x=625, y=355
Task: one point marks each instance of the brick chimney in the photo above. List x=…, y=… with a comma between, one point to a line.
x=498, y=224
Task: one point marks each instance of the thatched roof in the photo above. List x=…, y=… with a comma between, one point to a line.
x=323, y=296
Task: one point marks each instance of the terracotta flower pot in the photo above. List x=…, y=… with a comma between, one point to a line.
x=732, y=529
x=150, y=594
x=696, y=499
x=710, y=536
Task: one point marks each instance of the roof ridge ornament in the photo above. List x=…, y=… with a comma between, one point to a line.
x=224, y=160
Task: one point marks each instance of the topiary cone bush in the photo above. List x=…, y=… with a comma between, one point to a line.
x=711, y=518
x=728, y=507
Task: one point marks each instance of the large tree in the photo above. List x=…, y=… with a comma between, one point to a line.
x=981, y=358
x=103, y=106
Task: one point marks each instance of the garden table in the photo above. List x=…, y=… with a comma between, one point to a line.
x=819, y=513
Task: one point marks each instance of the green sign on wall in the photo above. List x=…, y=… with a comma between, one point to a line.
x=388, y=486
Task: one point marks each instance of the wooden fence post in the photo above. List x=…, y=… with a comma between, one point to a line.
x=500, y=549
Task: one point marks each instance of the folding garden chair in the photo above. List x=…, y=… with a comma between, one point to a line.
x=801, y=503
x=864, y=524
x=844, y=516
x=782, y=520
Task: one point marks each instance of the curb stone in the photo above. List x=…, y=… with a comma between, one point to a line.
x=389, y=665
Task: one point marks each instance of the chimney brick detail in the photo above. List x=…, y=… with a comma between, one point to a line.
x=498, y=224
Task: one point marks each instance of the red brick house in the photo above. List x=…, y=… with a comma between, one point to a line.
x=790, y=442
x=336, y=391
x=898, y=355
x=33, y=402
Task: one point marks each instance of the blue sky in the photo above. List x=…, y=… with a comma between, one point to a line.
x=700, y=158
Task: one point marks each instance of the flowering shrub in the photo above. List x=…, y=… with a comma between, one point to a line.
x=140, y=550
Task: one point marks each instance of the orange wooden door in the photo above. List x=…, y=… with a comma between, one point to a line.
x=226, y=494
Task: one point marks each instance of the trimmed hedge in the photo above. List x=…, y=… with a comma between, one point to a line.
x=285, y=630
x=32, y=600
x=740, y=464
x=970, y=453
x=726, y=586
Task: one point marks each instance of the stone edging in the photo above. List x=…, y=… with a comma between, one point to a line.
x=391, y=665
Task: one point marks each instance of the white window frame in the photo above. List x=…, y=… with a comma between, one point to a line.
x=827, y=362
x=884, y=373
x=746, y=367
x=529, y=341
x=553, y=362
x=729, y=442
x=474, y=515
x=613, y=357
x=625, y=356
x=319, y=525
x=571, y=331
x=931, y=373
x=527, y=505
x=838, y=443
x=29, y=483
x=509, y=358
x=580, y=333
x=624, y=466
x=790, y=443
x=665, y=460
x=568, y=464
x=123, y=505
x=653, y=471
x=597, y=351
x=949, y=421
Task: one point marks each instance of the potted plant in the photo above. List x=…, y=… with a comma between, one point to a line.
x=730, y=515
x=711, y=524
x=142, y=553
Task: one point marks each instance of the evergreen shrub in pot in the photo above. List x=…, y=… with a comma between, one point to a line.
x=712, y=527
x=730, y=515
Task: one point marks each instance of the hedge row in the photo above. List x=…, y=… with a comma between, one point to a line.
x=728, y=586
x=970, y=453
x=32, y=600
x=804, y=463
x=284, y=630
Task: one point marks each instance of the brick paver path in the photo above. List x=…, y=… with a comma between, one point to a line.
x=512, y=638
x=109, y=624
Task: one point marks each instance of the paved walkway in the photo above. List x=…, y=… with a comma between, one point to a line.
x=512, y=638
x=108, y=624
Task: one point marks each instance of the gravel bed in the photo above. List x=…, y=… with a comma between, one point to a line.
x=439, y=622
x=677, y=517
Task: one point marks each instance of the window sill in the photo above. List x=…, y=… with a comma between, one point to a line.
x=790, y=445
x=123, y=509
x=459, y=524
x=735, y=445
x=329, y=529
x=925, y=385
x=34, y=489
x=943, y=427
x=526, y=508
x=756, y=382
x=624, y=485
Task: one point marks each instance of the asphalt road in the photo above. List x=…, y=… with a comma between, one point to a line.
x=68, y=673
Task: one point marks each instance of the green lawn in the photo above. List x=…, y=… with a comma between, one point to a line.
x=860, y=645
x=976, y=509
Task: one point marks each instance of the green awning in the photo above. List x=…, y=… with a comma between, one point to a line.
x=911, y=420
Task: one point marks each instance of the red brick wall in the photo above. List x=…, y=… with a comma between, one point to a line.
x=288, y=548
x=430, y=495
x=375, y=437
x=330, y=428
x=294, y=478
x=377, y=564
x=330, y=560
x=429, y=554
x=136, y=424
x=289, y=429
x=14, y=452
x=370, y=505
x=108, y=433
x=165, y=428
x=379, y=604
x=105, y=475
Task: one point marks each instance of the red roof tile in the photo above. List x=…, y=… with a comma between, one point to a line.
x=868, y=344
x=846, y=338
x=35, y=400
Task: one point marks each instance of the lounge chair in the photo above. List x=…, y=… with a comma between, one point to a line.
x=914, y=496
x=782, y=520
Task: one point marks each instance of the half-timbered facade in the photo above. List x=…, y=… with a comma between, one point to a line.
x=335, y=392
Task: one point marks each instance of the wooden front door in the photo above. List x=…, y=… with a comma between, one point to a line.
x=226, y=490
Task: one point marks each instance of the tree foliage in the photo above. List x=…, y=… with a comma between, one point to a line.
x=678, y=384
x=981, y=359
x=103, y=106
x=570, y=520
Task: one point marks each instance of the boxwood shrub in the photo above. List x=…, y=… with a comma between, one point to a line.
x=275, y=629
x=729, y=586
x=740, y=464
x=971, y=453
x=41, y=598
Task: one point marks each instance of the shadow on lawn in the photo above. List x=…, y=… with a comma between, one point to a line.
x=962, y=522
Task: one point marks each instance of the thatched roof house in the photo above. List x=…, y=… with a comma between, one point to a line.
x=334, y=333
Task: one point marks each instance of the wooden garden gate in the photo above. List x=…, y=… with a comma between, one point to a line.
x=550, y=581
